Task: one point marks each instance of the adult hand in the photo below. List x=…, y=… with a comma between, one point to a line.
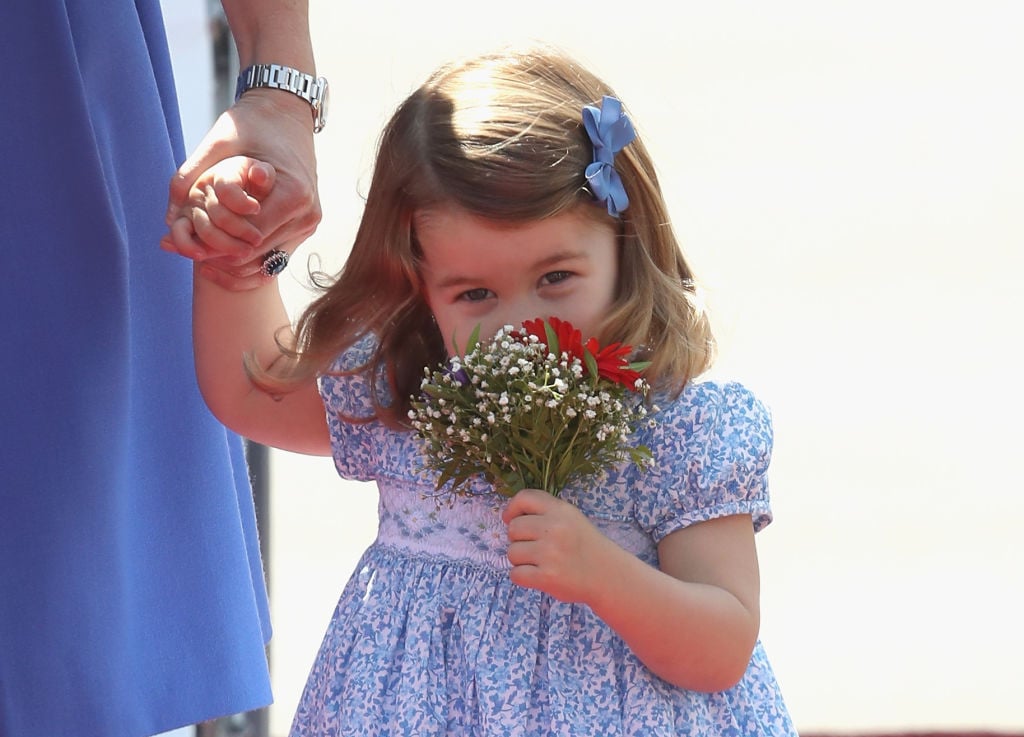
x=214, y=228
x=268, y=126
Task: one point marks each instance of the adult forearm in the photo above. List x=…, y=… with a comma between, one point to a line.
x=271, y=31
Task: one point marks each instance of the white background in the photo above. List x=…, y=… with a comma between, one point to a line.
x=846, y=179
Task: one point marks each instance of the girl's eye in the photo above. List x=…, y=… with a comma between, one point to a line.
x=553, y=277
x=475, y=295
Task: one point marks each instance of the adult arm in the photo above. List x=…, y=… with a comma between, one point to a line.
x=269, y=125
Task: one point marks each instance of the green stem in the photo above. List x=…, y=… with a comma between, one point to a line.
x=548, y=464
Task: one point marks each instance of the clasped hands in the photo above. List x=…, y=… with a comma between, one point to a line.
x=249, y=187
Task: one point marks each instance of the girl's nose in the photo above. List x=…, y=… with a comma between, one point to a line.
x=518, y=311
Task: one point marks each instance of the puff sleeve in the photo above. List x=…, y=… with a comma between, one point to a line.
x=711, y=451
x=353, y=445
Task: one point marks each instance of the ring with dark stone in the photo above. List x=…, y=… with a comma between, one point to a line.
x=274, y=263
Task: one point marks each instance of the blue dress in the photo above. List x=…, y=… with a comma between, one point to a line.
x=431, y=638
x=131, y=592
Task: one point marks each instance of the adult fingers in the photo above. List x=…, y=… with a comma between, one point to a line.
x=290, y=213
x=234, y=277
x=219, y=143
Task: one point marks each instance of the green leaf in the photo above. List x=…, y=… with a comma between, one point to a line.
x=551, y=337
x=474, y=339
x=591, y=362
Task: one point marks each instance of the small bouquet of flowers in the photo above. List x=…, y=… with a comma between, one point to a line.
x=536, y=407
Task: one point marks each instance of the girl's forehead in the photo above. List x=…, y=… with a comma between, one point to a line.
x=444, y=217
x=449, y=215
x=457, y=246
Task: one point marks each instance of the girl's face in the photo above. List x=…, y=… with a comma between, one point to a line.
x=478, y=272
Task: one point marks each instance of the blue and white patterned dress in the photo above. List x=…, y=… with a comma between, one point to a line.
x=431, y=638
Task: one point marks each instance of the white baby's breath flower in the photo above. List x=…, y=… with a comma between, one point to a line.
x=512, y=403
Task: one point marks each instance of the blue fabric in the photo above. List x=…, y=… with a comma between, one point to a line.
x=131, y=591
x=610, y=130
x=431, y=638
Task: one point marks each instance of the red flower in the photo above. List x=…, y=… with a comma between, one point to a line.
x=611, y=362
x=567, y=338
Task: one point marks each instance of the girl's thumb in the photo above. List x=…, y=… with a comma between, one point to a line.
x=261, y=179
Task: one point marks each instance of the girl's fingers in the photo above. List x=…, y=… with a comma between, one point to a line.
x=518, y=529
x=232, y=195
x=218, y=225
x=524, y=552
x=181, y=239
x=527, y=501
x=223, y=202
x=219, y=242
x=261, y=177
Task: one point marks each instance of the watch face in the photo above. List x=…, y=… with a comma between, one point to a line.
x=321, y=109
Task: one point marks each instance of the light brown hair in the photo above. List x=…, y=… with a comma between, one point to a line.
x=500, y=136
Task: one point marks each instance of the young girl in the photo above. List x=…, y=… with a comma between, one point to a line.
x=506, y=188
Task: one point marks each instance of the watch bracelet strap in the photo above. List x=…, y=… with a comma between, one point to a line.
x=279, y=77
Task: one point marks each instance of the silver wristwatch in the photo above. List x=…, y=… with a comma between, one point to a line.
x=311, y=89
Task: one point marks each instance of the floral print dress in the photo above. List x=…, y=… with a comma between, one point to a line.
x=431, y=638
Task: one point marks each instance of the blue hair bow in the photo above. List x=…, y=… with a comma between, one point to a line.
x=610, y=130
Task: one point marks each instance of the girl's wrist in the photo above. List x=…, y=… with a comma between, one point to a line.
x=605, y=565
x=228, y=280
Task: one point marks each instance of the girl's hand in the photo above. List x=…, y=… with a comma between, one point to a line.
x=215, y=221
x=553, y=547
x=263, y=126
x=215, y=226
